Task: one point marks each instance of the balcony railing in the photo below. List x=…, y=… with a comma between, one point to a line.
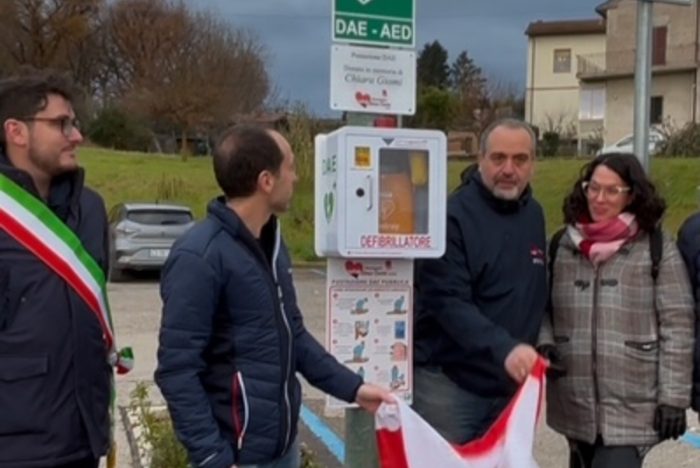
x=621, y=63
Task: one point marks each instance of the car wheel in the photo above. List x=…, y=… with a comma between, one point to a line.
x=116, y=275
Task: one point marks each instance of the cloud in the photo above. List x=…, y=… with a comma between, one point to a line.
x=297, y=36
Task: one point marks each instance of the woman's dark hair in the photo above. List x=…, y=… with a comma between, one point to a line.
x=647, y=205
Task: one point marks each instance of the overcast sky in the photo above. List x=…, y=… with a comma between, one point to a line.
x=297, y=36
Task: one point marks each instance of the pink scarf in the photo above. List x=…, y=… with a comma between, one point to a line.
x=600, y=241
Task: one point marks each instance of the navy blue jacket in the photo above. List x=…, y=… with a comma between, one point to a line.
x=231, y=342
x=487, y=293
x=689, y=245
x=54, y=376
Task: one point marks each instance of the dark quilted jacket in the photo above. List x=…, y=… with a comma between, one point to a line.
x=54, y=376
x=231, y=342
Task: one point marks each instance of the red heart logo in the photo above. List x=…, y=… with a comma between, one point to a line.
x=354, y=268
x=362, y=98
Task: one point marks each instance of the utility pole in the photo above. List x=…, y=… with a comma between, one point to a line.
x=642, y=77
x=388, y=26
x=642, y=82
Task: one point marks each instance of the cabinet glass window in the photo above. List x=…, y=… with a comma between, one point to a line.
x=403, y=191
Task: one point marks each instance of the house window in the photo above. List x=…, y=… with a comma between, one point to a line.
x=592, y=104
x=656, y=112
x=658, y=45
x=562, y=61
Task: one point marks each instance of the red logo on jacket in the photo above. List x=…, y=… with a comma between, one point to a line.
x=537, y=255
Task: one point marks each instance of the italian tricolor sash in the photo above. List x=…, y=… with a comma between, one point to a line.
x=31, y=223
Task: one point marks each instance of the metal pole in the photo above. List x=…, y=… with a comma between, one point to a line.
x=360, y=439
x=642, y=81
x=360, y=436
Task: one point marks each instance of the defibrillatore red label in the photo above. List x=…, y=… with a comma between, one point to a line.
x=396, y=242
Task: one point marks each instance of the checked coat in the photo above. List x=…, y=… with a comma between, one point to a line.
x=626, y=342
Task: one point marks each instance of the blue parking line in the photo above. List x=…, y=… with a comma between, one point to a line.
x=691, y=438
x=324, y=433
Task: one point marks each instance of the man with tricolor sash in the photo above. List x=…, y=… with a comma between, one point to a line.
x=56, y=343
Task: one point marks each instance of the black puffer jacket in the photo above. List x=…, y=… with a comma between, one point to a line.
x=54, y=376
x=487, y=293
x=689, y=246
x=231, y=342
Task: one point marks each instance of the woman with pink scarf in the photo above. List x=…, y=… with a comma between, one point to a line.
x=622, y=339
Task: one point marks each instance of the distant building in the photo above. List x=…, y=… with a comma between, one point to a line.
x=674, y=66
x=602, y=74
x=553, y=98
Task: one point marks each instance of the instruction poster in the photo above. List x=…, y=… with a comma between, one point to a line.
x=369, y=321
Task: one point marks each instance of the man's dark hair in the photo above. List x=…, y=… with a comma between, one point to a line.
x=647, y=206
x=240, y=155
x=24, y=96
x=511, y=124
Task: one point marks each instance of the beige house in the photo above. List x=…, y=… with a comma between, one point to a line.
x=602, y=64
x=674, y=97
x=553, y=94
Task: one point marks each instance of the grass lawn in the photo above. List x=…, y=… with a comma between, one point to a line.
x=120, y=176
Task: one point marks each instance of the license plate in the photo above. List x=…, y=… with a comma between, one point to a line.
x=159, y=253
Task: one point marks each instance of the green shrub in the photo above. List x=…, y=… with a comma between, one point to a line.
x=682, y=143
x=308, y=458
x=170, y=188
x=302, y=128
x=113, y=128
x=159, y=437
x=550, y=144
x=158, y=434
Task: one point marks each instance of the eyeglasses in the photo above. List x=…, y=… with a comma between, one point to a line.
x=610, y=192
x=66, y=124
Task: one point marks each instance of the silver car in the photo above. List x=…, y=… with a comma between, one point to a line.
x=141, y=235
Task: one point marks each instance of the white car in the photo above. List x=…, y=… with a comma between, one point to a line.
x=141, y=235
x=626, y=144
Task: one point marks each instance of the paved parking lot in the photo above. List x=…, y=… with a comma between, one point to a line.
x=136, y=310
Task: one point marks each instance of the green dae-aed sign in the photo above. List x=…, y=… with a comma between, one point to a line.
x=375, y=22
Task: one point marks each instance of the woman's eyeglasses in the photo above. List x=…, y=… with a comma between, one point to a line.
x=610, y=192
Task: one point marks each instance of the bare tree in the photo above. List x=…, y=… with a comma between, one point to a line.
x=185, y=69
x=54, y=34
x=503, y=99
x=469, y=86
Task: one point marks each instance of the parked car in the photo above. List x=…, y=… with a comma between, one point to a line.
x=626, y=144
x=141, y=235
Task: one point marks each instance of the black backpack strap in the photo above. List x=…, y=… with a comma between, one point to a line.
x=553, y=246
x=552, y=253
x=656, y=250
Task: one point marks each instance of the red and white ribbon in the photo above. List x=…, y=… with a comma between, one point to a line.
x=405, y=440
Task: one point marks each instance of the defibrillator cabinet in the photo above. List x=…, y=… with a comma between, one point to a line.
x=380, y=193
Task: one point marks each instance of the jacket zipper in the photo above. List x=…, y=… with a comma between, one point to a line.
x=594, y=353
x=239, y=393
x=289, y=339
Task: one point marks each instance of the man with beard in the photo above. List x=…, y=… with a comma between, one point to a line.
x=55, y=344
x=480, y=306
